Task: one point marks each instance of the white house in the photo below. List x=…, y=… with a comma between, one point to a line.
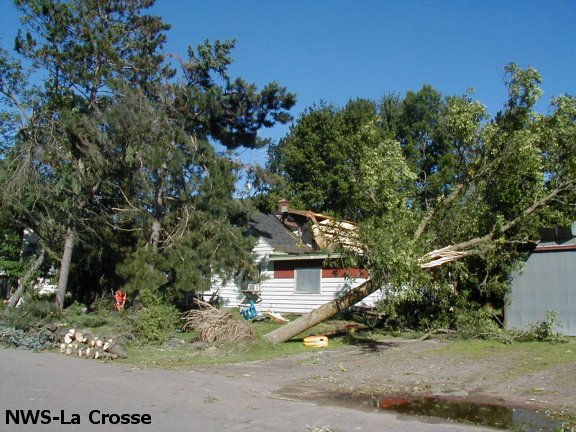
x=292, y=254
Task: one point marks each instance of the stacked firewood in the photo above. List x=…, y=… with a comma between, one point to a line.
x=84, y=344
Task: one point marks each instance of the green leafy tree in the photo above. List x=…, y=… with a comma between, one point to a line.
x=418, y=135
x=320, y=159
x=10, y=246
x=497, y=180
x=178, y=194
x=179, y=189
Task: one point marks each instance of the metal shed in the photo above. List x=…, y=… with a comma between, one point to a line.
x=545, y=283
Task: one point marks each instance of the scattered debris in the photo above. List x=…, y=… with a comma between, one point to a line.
x=328, y=231
x=439, y=257
x=325, y=428
x=277, y=317
x=20, y=339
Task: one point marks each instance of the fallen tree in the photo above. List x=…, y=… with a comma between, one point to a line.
x=492, y=183
x=430, y=260
x=26, y=280
x=324, y=312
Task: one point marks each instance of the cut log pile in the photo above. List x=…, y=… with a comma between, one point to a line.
x=84, y=344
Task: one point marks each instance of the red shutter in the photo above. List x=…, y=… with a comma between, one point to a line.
x=340, y=273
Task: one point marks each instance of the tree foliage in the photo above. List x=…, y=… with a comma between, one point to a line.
x=427, y=176
x=113, y=153
x=320, y=159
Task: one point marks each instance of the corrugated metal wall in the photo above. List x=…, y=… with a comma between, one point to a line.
x=546, y=283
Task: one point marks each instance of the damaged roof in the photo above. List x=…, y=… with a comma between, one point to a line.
x=302, y=232
x=268, y=227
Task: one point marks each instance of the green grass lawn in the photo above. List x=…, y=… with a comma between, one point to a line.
x=183, y=352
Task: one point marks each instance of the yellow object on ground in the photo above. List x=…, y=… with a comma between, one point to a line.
x=316, y=341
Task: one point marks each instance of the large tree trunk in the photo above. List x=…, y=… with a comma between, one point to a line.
x=26, y=279
x=65, y=268
x=328, y=310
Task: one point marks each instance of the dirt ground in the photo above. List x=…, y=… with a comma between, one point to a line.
x=232, y=398
x=357, y=375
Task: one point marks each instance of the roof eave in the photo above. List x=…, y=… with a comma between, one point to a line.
x=298, y=257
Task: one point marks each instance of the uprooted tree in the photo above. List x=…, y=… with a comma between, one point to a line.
x=449, y=204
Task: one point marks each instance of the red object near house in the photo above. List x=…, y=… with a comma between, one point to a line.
x=120, y=297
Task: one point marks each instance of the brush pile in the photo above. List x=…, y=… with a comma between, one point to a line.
x=83, y=344
x=217, y=326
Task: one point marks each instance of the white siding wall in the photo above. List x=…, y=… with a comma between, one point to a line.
x=262, y=250
x=278, y=294
x=229, y=292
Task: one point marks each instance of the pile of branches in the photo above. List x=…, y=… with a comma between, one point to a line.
x=38, y=341
x=217, y=326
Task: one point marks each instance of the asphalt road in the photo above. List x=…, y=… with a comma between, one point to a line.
x=175, y=401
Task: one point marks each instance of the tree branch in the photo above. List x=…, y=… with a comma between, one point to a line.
x=450, y=253
x=432, y=210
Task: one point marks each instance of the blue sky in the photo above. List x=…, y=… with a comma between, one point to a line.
x=337, y=50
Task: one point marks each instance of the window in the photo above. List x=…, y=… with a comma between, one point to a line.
x=308, y=280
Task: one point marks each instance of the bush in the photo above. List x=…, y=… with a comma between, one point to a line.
x=476, y=323
x=103, y=303
x=156, y=321
x=77, y=315
x=31, y=314
x=541, y=331
x=21, y=339
x=418, y=307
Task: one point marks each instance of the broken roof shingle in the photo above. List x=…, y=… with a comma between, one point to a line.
x=270, y=229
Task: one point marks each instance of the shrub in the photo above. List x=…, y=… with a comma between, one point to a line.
x=77, y=315
x=476, y=323
x=157, y=320
x=541, y=331
x=103, y=303
x=32, y=313
x=418, y=307
x=21, y=339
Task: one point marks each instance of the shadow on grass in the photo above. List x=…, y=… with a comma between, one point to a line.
x=369, y=344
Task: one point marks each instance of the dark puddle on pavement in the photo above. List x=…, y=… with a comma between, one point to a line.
x=495, y=416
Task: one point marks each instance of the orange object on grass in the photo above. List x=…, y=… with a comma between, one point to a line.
x=120, y=297
x=316, y=341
